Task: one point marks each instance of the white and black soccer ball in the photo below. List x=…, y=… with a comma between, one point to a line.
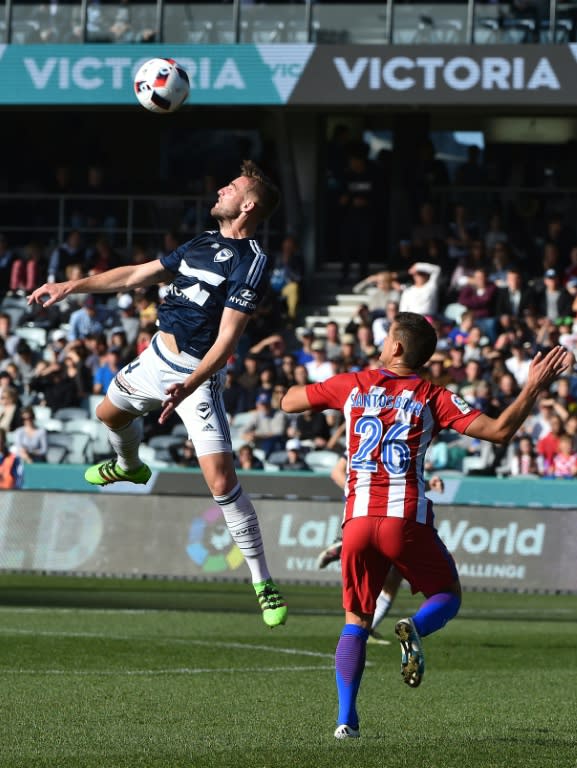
x=161, y=85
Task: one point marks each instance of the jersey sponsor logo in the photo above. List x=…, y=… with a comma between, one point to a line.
x=242, y=303
x=248, y=295
x=224, y=255
x=208, y=428
x=461, y=404
x=204, y=410
x=215, y=245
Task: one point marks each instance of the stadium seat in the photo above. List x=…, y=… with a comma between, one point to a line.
x=35, y=336
x=66, y=414
x=321, y=461
x=76, y=444
x=180, y=430
x=55, y=454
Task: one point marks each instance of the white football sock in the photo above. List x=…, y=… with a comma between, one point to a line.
x=242, y=522
x=384, y=601
x=126, y=442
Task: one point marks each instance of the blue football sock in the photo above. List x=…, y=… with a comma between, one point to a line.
x=350, y=664
x=435, y=612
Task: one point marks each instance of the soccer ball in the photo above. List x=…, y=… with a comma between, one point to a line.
x=161, y=85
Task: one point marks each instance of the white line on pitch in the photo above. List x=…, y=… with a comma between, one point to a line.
x=174, y=640
x=176, y=671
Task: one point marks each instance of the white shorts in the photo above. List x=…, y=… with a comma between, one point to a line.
x=140, y=387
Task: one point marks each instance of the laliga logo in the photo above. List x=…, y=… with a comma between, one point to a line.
x=210, y=545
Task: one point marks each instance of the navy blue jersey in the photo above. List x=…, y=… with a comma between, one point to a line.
x=211, y=272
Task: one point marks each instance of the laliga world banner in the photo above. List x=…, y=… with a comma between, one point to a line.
x=299, y=74
x=178, y=536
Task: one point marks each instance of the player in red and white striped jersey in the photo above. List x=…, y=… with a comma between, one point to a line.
x=391, y=417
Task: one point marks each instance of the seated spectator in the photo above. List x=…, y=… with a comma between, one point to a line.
x=519, y=362
x=9, y=338
x=9, y=408
x=548, y=443
x=479, y=297
x=380, y=326
x=304, y=355
x=11, y=468
x=423, y=295
x=332, y=340
x=28, y=269
x=71, y=251
x=294, y=461
x=564, y=461
x=286, y=277
x=85, y=321
x=128, y=318
x=435, y=370
x=106, y=373
x=184, y=455
x=245, y=459
x=233, y=394
x=552, y=299
x=473, y=375
x=319, y=368
x=524, y=462
x=101, y=257
x=267, y=428
x=30, y=442
x=58, y=386
x=146, y=307
x=460, y=333
x=270, y=350
x=380, y=289
x=312, y=429
x=456, y=364
x=514, y=297
x=286, y=374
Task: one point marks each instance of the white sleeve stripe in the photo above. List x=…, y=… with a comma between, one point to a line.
x=256, y=268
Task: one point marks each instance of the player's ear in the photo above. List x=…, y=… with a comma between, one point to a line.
x=248, y=205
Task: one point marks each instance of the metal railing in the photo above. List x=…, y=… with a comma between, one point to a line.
x=386, y=22
x=126, y=220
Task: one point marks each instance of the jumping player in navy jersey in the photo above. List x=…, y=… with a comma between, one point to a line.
x=391, y=416
x=216, y=281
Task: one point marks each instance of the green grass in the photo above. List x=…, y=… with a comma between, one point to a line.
x=123, y=674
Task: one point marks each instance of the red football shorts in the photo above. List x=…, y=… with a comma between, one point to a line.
x=371, y=544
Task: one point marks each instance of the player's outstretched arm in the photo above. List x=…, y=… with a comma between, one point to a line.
x=544, y=369
x=295, y=400
x=118, y=279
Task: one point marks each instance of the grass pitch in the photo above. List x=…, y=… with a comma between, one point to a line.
x=125, y=674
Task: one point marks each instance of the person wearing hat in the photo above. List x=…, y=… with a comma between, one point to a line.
x=294, y=460
x=128, y=318
x=553, y=300
x=319, y=368
x=267, y=429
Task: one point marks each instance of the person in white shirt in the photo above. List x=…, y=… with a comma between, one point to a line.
x=319, y=368
x=422, y=296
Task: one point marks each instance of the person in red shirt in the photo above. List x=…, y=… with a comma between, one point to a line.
x=548, y=445
x=392, y=414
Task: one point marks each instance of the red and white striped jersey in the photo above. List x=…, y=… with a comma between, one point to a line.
x=390, y=421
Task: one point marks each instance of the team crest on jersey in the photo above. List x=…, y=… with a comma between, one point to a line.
x=461, y=404
x=204, y=410
x=224, y=255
